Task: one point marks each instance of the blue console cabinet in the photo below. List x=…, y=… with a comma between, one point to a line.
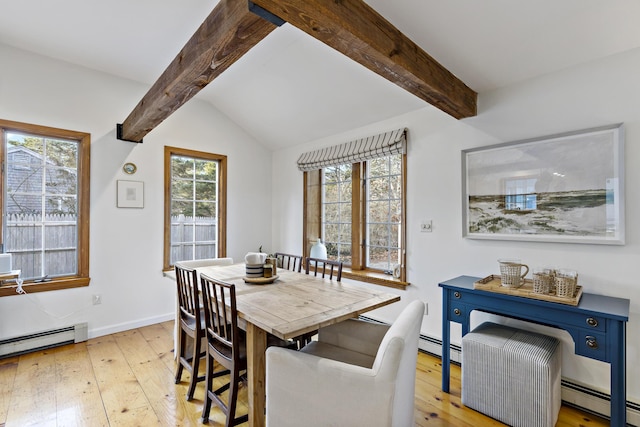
x=597, y=325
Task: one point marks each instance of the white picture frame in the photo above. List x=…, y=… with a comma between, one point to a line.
x=130, y=194
x=559, y=188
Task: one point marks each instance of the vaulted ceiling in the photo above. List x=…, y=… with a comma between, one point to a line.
x=291, y=88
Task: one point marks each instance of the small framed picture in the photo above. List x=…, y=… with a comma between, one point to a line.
x=130, y=194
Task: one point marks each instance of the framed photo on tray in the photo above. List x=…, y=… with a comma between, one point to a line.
x=560, y=188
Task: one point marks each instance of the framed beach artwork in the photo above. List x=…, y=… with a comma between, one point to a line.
x=560, y=188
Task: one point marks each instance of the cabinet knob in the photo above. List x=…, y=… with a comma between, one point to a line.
x=456, y=311
x=591, y=342
x=456, y=294
x=592, y=322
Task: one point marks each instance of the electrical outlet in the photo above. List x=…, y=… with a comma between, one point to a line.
x=426, y=308
x=426, y=226
x=97, y=299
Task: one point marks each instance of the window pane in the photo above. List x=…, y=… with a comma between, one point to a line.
x=394, y=236
x=345, y=212
x=336, y=211
x=379, y=258
x=194, y=195
x=384, y=212
x=378, y=235
x=345, y=191
x=206, y=170
x=379, y=188
x=345, y=233
x=181, y=167
x=395, y=210
x=206, y=191
x=61, y=206
x=182, y=190
x=331, y=193
x=181, y=208
x=206, y=209
x=204, y=251
x=379, y=211
x=345, y=253
x=62, y=153
x=24, y=204
x=331, y=175
x=41, y=210
x=378, y=167
x=331, y=233
x=332, y=212
x=61, y=181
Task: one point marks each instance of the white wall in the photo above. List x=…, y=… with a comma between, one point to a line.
x=126, y=244
x=595, y=94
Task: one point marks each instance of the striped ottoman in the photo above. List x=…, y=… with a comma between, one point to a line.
x=512, y=375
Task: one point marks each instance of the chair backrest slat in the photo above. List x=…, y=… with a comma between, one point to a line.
x=188, y=301
x=221, y=313
x=322, y=265
x=289, y=262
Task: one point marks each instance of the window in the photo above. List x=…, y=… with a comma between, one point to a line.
x=336, y=212
x=195, y=206
x=45, y=205
x=520, y=194
x=357, y=208
x=382, y=213
x=384, y=207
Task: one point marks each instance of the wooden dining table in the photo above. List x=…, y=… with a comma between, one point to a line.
x=295, y=303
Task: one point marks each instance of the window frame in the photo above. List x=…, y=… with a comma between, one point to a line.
x=81, y=278
x=222, y=199
x=312, y=224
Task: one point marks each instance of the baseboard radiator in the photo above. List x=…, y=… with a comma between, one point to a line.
x=43, y=340
x=573, y=394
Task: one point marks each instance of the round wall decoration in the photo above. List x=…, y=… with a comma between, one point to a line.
x=130, y=168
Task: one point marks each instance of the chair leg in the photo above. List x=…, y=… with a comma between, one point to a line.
x=195, y=366
x=233, y=401
x=208, y=389
x=181, y=350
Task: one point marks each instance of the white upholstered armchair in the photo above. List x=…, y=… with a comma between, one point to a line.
x=357, y=374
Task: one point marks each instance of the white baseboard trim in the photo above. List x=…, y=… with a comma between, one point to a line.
x=120, y=327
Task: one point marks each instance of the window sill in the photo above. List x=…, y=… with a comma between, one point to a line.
x=375, y=278
x=9, y=289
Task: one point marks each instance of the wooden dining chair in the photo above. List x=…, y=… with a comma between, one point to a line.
x=325, y=267
x=191, y=327
x=226, y=344
x=289, y=262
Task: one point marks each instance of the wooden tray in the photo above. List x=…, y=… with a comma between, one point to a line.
x=261, y=280
x=492, y=284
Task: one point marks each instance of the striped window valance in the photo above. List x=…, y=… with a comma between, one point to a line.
x=384, y=144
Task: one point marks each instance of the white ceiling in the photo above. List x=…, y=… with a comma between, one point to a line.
x=291, y=88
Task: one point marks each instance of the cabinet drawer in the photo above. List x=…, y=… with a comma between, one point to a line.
x=457, y=312
x=592, y=345
x=590, y=323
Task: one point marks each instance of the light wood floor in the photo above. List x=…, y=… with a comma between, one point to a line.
x=127, y=379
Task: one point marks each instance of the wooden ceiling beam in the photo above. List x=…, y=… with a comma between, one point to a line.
x=349, y=26
x=359, y=32
x=224, y=37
